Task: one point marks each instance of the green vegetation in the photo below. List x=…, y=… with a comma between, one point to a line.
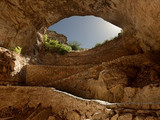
x=55, y=47
x=119, y=35
x=17, y=49
x=45, y=37
x=74, y=45
x=97, y=44
x=64, y=49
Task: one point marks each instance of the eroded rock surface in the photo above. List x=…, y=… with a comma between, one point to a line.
x=126, y=79
x=124, y=71
x=53, y=35
x=38, y=103
x=21, y=20
x=11, y=67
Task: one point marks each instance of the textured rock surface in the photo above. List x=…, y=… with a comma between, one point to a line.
x=38, y=103
x=23, y=103
x=11, y=67
x=125, y=70
x=45, y=75
x=115, y=81
x=107, y=52
x=55, y=36
x=21, y=20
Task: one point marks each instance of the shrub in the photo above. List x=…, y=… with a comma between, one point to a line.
x=74, y=45
x=97, y=44
x=45, y=37
x=55, y=47
x=17, y=49
x=64, y=49
x=51, y=44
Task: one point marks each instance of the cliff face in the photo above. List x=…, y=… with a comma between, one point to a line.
x=21, y=20
x=53, y=35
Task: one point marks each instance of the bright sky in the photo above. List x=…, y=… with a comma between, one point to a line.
x=87, y=30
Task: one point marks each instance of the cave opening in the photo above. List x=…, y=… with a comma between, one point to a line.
x=85, y=31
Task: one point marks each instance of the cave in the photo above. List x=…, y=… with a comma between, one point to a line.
x=117, y=80
x=86, y=30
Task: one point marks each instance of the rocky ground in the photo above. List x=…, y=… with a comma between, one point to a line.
x=129, y=84
x=119, y=80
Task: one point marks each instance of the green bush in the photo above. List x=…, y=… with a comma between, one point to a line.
x=64, y=49
x=17, y=49
x=55, y=47
x=97, y=44
x=45, y=37
x=74, y=45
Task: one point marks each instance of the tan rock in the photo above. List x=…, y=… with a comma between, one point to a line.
x=51, y=118
x=127, y=116
x=4, y=69
x=158, y=113
x=115, y=117
x=118, y=92
x=139, y=118
x=148, y=94
x=151, y=118
x=55, y=36
x=40, y=103
x=146, y=106
x=43, y=115
x=129, y=92
x=99, y=91
x=73, y=116
x=109, y=112
x=113, y=77
x=112, y=11
x=99, y=116
x=12, y=65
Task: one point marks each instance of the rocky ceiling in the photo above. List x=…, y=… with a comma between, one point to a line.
x=21, y=19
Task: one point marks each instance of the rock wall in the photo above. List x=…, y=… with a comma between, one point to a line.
x=55, y=36
x=126, y=79
x=11, y=67
x=21, y=20
x=38, y=103
x=43, y=75
x=125, y=69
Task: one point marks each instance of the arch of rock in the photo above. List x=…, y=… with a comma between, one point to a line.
x=20, y=20
x=123, y=70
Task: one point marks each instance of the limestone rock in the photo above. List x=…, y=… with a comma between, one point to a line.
x=99, y=116
x=51, y=118
x=113, y=77
x=118, y=93
x=19, y=26
x=73, y=116
x=115, y=117
x=151, y=118
x=125, y=117
x=147, y=94
x=4, y=69
x=47, y=75
x=39, y=103
x=42, y=115
x=139, y=118
x=129, y=93
x=55, y=36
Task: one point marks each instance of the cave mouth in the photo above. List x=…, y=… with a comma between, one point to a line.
x=85, y=31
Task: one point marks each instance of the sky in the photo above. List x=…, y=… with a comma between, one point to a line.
x=86, y=30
